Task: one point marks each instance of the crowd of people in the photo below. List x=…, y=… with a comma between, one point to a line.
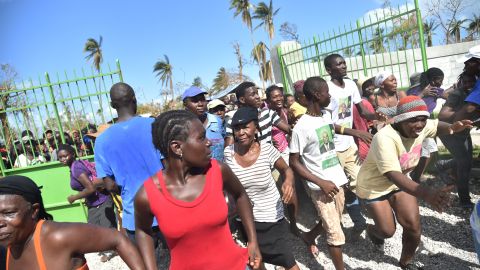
x=188, y=178
x=29, y=150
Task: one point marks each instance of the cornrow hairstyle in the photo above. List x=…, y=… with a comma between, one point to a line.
x=327, y=62
x=270, y=89
x=311, y=86
x=169, y=126
x=68, y=148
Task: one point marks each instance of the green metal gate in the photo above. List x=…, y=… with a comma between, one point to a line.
x=60, y=106
x=390, y=38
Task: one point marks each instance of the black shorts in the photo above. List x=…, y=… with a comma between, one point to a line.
x=272, y=240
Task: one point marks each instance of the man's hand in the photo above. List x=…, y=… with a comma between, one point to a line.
x=363, y=135
x=329, y=188
x=254, y=256
x=439, y=199
x=461, y=125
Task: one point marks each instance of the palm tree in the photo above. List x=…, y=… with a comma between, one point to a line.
x=164, y=70
x=456, y=28
x=428, y=28
x=267, y=71
x=265, y=14
x=377, y=43
x=474, y=26
x=221, y=81
x=238, y=55
x=94, y=50
x=259, y=55
x=243, y=7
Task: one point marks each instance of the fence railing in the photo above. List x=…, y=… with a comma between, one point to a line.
x=388, y=38
x=37, y=116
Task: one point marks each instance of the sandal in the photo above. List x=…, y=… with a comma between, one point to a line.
x=107, y=256
x=311, y=244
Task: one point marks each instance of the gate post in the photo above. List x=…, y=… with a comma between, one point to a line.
x=423, y=50
x=362, y=50
x=55, y=109
x=286, y=85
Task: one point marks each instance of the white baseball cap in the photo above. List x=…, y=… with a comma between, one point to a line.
x=473, y=52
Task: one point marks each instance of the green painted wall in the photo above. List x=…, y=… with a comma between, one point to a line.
x=55, y=179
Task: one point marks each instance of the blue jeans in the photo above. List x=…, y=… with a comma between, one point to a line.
x=460, y=146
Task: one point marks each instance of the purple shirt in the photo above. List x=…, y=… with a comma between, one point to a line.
x=76, y=170
x=431, y=101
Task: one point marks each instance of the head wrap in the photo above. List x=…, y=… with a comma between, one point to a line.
x=410, y=107
x=298, y=85
x=25, y=187
x=381, y=77
x=415, y=79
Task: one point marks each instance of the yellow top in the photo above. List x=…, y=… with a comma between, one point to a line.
x=389, y=152
x=297, y=109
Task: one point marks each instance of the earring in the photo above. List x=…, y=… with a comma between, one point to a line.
x=181, y=155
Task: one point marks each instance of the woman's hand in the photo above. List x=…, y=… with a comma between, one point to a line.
x=288, y=190
x=429, y=91
x=254, y=255
x=71, y=199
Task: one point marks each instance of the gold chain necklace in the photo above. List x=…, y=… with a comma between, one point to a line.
x=314, y=114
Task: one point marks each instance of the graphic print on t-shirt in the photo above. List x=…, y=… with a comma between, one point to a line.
x=327, y=148
x=409, y=160
x=344, y=105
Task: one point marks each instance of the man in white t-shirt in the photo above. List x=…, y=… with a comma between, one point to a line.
x=321, y=169
x=344, y=95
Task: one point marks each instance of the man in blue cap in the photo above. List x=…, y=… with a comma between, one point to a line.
x=195, y=102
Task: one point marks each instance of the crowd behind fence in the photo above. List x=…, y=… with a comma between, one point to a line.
x=38, y=116
x=389, y=38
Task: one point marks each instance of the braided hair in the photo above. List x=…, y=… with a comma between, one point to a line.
x=169, y=126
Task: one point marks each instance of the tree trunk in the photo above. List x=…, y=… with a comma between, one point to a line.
x=258, y=57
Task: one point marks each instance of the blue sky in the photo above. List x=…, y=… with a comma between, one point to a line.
x=40, y=36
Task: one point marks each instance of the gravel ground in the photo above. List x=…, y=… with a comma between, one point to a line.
x=446, y=241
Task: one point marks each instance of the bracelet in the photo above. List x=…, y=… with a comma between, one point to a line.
x=342, y=129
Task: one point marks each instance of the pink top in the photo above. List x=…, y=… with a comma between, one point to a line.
x=278, y=136
x=361, y=123
x=197, y=232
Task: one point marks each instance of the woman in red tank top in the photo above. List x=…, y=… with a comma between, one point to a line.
x=187, y=200
x=34, y=241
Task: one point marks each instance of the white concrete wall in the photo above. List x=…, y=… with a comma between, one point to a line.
x=402, y=63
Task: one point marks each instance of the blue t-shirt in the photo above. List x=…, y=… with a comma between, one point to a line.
x=474, y=96
x=125, y=151
x=215, y=132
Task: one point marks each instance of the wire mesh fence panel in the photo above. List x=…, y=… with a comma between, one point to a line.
x=384, y=39
x=61, y=108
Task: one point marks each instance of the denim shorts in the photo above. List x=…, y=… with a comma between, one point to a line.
x=381, y=198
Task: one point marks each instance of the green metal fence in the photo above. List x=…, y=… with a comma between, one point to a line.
x=39, y=115
x=389, y=38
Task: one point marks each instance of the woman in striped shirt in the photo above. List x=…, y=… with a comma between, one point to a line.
x=252, y=162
